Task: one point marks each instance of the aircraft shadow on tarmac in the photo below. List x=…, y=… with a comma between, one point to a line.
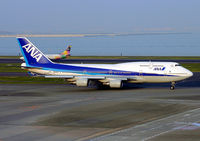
x=192, y=82
x=181, y=84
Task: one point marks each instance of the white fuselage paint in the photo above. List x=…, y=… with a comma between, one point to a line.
x=170, y=71
x=53, y=56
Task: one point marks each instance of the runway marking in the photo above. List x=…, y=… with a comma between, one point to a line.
x=113, y=132
x=188, y=126
x=158, y=135
x=150, y=124
x=173, y=129
x=98, y=134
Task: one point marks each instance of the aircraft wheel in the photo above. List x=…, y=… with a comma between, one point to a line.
x=122, y=85
x=172, y=88
x=94, y=84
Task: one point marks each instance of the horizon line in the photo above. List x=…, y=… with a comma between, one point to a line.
x=90, y=34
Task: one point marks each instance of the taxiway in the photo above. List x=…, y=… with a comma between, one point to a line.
x=63, y=112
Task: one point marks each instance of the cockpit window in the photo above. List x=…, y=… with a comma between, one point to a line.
x=177, y=65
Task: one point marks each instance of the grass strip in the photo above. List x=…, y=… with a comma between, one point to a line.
x=124, y=57
x=30, y=80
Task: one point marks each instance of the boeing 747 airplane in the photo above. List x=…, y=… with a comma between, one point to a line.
x=113, y=75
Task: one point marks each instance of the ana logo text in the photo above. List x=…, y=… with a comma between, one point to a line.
x=159, y=69
x=33, y=52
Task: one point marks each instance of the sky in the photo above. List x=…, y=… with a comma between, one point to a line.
x=98, y=16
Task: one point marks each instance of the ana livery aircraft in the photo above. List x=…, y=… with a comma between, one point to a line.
x=114, y=75
x=62, y=55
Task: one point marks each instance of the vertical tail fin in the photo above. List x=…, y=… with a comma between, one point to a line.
x=67, y=51
x=32, y=55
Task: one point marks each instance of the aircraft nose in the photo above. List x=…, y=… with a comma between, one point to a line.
x=189, y=73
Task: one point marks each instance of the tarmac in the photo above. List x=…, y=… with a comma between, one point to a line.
x=64, y=112
x=146, y=112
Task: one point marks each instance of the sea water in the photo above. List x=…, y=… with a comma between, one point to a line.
x=129, y=45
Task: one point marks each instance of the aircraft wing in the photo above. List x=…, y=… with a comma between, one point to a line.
x=71, y=76
x=84, y=80
x=91, y=77
x=58, y=76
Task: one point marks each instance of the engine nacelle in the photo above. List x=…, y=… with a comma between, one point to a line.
x=116, y=83
x=82, y=82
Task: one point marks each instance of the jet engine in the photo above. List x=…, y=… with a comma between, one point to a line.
x=116, y=83
x=82, y=82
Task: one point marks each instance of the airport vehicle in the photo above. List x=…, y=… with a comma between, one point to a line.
x=62, y=55
x=113, y=75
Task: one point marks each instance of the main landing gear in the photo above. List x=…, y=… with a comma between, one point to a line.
x=172, y=87
x=94, y=84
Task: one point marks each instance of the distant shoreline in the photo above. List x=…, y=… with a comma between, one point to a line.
x=123, y=57
x=86, y=35
x=57, y=35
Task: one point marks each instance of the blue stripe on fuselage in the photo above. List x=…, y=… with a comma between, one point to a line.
x=92, y=71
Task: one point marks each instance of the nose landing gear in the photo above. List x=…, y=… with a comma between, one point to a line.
x=172, y=87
